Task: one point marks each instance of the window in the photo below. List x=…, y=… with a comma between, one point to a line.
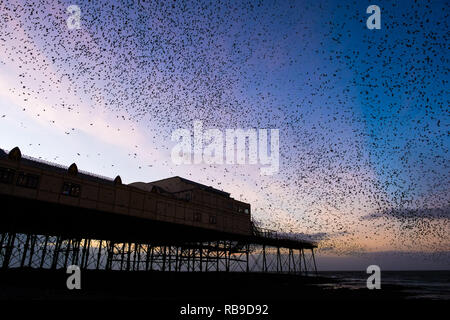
x=6, y=175
x=27, y=180
x=197, y=217
x=71, y=189
x=246, y=210
x=240, y=209
x=188, y=196
x=212, y=219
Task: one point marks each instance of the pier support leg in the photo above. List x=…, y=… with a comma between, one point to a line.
x=304, y=262
x=56, y=252
x=25, y=250
x=33, y=244
x=99, y=255
x=314, y=261
x=44, y=251
x=8, y=249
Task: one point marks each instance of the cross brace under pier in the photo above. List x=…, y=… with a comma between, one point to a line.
x=55, y=252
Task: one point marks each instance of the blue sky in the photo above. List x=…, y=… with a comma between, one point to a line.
x=363, y=114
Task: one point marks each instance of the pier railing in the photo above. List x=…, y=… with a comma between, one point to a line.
x=277, y=235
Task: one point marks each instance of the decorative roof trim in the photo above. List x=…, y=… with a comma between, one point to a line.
x=15, y=154
x=73, y=169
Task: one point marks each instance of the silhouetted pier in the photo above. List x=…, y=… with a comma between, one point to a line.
x=53, y=217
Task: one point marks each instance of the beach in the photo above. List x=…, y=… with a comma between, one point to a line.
x=212, y=287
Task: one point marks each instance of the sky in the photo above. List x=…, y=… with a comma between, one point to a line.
x=362, y=114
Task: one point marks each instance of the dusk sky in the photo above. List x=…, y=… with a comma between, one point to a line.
x=362, y=114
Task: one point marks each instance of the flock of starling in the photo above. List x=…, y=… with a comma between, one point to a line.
x=363, y=114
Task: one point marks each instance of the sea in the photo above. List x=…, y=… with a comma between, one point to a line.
x=433, y=285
